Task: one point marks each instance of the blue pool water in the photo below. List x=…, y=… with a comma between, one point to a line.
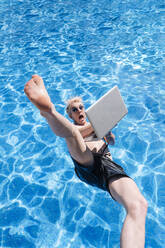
x=79, y=48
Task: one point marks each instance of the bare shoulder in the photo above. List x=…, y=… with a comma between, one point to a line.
x=85, y=129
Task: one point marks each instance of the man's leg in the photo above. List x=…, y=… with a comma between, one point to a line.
x=37, y=94
x=126, y=192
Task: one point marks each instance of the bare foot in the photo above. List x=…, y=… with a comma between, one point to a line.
x=37, y=93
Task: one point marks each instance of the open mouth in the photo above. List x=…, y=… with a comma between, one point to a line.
x=81, y=117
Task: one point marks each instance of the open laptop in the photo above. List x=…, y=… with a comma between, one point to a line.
x=106, y=112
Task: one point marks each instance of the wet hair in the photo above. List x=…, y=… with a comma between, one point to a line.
x=68, y=105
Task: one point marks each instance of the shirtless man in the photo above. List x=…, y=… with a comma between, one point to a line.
x=92, y=161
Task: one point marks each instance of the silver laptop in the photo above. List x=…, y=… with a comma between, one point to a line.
x=106, y=112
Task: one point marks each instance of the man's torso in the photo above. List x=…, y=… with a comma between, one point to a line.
x=94, y=144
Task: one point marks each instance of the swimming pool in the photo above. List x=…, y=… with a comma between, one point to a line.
x=79, y=48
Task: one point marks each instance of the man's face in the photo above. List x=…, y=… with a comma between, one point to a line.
x=78, y=113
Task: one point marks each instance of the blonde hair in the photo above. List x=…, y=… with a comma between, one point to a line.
x=68, y=105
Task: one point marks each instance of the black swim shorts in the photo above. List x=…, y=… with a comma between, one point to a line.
x=101, y=172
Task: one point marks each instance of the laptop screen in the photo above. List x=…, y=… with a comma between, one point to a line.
x=106, y=112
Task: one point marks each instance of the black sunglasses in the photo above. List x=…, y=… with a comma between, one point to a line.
x=74, y=109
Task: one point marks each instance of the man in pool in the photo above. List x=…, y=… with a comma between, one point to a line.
x=93, y=162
